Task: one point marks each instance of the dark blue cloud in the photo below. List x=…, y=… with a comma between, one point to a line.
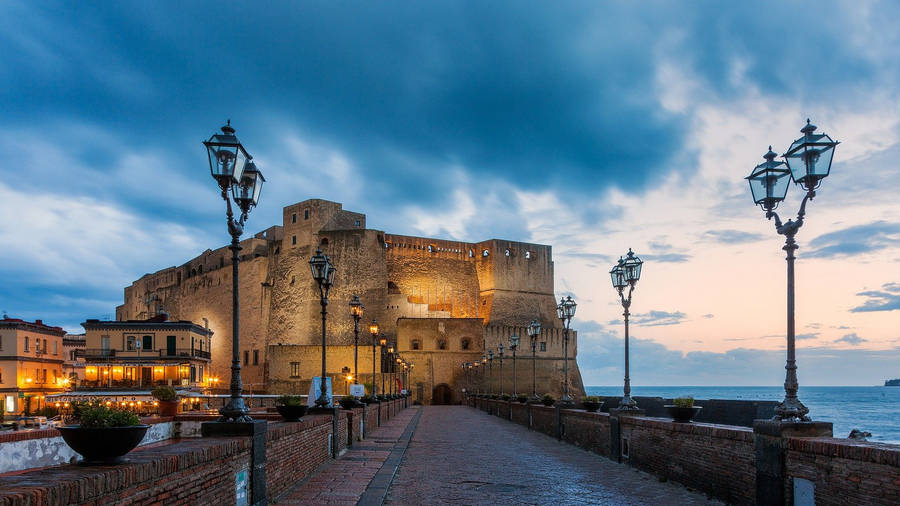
x=855, y=240
x=655, y=318
x=674, y=258
x=851, y=339
x=887, y=299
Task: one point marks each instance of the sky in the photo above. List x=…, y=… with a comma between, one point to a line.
x=591, y=126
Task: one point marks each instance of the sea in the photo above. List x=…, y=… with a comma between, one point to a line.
x=873, y=409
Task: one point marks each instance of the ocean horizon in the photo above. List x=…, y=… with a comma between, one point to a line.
x=867, y=408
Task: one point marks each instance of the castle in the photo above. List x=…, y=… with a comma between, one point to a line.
x=441, y=302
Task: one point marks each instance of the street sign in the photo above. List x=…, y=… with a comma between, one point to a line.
x=357, y=390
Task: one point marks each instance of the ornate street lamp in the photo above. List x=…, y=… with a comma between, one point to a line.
x=230, y=166
x=390, y=362
x=480, y=384
x=323, y=273
x=626, y=272
x=808, y=161
x=500, y=347
x=534, y=331
x=373, y=329
x=382, y=343
x=356, y=312
x=565, y=311
x=514, y=345
x=491, y=375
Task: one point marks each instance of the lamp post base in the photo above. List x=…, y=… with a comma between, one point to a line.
x=628, y=404
x=235, y=411
x=791, y=410
x=566, y=400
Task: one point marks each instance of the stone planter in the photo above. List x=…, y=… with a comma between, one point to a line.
x=291, y=413
x=682, y=415
x=103, y=446
x=168, y=408
x=349, y=403
x=592, y=406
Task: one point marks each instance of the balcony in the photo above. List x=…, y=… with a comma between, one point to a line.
x=100, y=354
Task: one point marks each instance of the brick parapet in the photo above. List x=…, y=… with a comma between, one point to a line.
x=863, y=451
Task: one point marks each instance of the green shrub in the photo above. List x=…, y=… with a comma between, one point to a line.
x=522, y=398
x=591, y=399
x=548, y=400
x=101, y=417
x=290, y=400
x=505, y=397
x=164, y=393
x=684, y=402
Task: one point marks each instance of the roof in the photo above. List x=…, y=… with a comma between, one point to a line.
x=157, y=322
x=37, y=325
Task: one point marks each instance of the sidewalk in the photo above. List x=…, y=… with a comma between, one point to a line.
x=345, y=480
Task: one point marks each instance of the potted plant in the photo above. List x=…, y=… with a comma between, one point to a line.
x=348, y=402
x=522, y=398
x=591, y=403
x=168, y=400
x=548, y=400
x=103, y=435
x=682, y=409
x=290, y=407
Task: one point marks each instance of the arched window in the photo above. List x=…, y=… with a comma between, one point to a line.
x=415, y=344
x=485, y=253
x=324, y=241
x=442, y=344
x=527, y=255
x=430, y=248
x=193, y=272
x=506, y=252
x=464, y=344
x=471, y=253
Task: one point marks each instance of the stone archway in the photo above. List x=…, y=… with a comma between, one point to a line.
x=442, y=395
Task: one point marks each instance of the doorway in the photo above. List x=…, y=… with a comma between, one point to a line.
x=442, y=395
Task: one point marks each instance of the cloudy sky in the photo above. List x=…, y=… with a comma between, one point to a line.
x=594, y=127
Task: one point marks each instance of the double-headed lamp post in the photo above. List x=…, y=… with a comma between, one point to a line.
x=565, y=311
x=382, y=343
x=231, y=167
x=390, y=357
x=807, y=162
x=373, y=329
x=534, y=331
x=356, y=312
x=626, y=272
x=475, y=378
x=514, y=345
x=323, y=273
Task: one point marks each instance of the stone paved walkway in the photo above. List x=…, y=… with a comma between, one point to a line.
x=459, y=455
x=363, y=473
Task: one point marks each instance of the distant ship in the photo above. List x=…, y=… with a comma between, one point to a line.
x=892, y=383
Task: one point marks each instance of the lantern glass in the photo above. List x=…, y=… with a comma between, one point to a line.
x=769, y=182
x=246, y=194
x=500, y=347
x=561, y=309
x=534, y=328
x=382, y=342
x=570, y=307
x=318, y=265
x=809, y=157
x=356, y=307
x=373, y=328
x=618, y=275
x=513, y=341
x=227, y=156
x=632, y=267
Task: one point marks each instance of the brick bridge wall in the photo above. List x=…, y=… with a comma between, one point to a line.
x=720, y=460
x=191, y=471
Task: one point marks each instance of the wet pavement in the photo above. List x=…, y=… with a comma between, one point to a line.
x=459, y=455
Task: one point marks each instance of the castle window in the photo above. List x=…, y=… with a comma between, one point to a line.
x=26, y=343
x=294, y=240
x=306, y=214
x=506, y=252
x=193, y=272
x=246, y=357
x=324, y=241
x=357, y=223
x=200, y=269
x=464, y=344
x=543, y=345
x=442, y=344
x=527, y=254
x=255, y=357
x=294, y=218
x=295, y=369
x=471, y=253
x=416, y=345
x=485, y=253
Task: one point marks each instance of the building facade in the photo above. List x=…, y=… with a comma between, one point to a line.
x=31, y=364
x=142, y=354
x=431, y=293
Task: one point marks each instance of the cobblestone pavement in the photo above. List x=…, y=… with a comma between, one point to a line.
x=346, y=479
x=459, y=455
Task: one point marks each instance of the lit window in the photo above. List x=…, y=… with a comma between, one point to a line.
x=295, y=369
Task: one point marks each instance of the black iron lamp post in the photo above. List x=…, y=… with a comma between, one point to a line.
x=514, y=345
x=626, y=272
x=382, y=343
x=500, y=348
x=373, y=329
x=807, y=162
x=390, y=358
x=356, y=312
x=491, y=372
x=565, y=311
x=534, y=331
x=231, y=167
x=323, y=273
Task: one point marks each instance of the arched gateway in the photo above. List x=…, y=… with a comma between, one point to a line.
x=442, y=395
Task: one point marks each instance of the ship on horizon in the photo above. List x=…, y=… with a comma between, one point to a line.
x=892, y=383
